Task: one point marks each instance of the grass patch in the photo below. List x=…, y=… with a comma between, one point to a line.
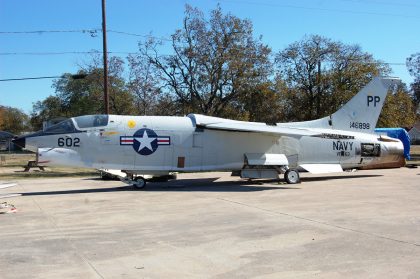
x=13, y=173
x=415, y=149
x=16, y=159
x=11, y=167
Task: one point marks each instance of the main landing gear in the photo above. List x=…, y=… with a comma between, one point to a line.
x=292, y=176
x=269, y=172
x=138, y=182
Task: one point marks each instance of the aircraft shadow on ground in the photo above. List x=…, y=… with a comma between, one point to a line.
x=193, y=185
x=199, y=185
x=211, y=185
x=75, y=191
x=324, y=178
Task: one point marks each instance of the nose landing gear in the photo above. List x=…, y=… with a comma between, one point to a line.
x=139, y=183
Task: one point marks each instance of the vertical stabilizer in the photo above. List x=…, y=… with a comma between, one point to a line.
x=361, y=113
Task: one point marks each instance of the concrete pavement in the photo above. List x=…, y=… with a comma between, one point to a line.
x=210, y=225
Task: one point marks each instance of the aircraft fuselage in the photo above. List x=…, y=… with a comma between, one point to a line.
x=162, y=144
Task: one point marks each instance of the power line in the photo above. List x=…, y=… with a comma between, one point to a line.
x=316, y=8
x=77, y=76
x=382, y=3
x=50, y=31
x=48, y=53
x=65, y=53
x=81, y=76
x=134, y=53
x=92, y=32
x=139, y=35
x=28, y=78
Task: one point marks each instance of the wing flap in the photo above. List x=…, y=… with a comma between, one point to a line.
x=266, y=159
x=322, y=168
x=214, y=123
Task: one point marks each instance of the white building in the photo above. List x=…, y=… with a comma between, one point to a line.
x=415, y=133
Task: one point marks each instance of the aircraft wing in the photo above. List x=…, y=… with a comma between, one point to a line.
x=214, y=123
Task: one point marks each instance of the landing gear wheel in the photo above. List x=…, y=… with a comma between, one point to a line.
x=292, y=176
x=139, y=183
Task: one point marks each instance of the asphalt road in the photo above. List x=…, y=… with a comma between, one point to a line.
x=364, y=224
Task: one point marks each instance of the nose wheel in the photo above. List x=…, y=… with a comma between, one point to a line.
x=292, y=176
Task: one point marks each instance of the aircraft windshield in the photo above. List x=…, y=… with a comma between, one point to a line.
x=89, y=121
x=62, y=127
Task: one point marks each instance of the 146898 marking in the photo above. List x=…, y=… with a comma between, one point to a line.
x=360, y=125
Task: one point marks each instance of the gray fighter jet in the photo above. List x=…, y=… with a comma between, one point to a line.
x=159, y=145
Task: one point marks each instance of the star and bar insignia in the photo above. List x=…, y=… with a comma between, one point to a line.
x=145, y=141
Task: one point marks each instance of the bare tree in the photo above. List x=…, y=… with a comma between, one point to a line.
x=413, y=66
x=144, y=85
x=213, y=61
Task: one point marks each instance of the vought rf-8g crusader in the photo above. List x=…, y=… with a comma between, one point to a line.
x=159, y=145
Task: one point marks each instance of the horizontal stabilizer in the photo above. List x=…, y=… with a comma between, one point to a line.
x=322, y=168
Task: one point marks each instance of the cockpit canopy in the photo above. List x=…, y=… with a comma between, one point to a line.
x=90, y=121
x=65, y=126
x=82, y=122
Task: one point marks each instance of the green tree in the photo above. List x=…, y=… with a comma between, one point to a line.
x=76, y=97
x=413, y=66
x=1, y=115
x=13, y=120
x=166, y=105
x=262, y=104
x=144, y=86
x=318, y=75
x=47, y=109
x=85, y=96
x=214, y=62
x=398, y=110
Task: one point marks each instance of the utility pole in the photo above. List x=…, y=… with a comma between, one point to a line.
x=105, y=55
x=318, y=103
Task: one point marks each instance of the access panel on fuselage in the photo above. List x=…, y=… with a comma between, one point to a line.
x=343, y=151
x=107, y=149
x=143, y=145
x=314, y=150
x=225, y=150
x=154, y=140
x=187, y=151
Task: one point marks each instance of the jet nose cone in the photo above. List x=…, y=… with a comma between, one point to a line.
x=19, y=141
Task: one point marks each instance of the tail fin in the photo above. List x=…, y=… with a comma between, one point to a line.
x=361, y=113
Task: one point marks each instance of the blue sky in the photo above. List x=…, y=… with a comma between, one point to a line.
x=388, y=29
